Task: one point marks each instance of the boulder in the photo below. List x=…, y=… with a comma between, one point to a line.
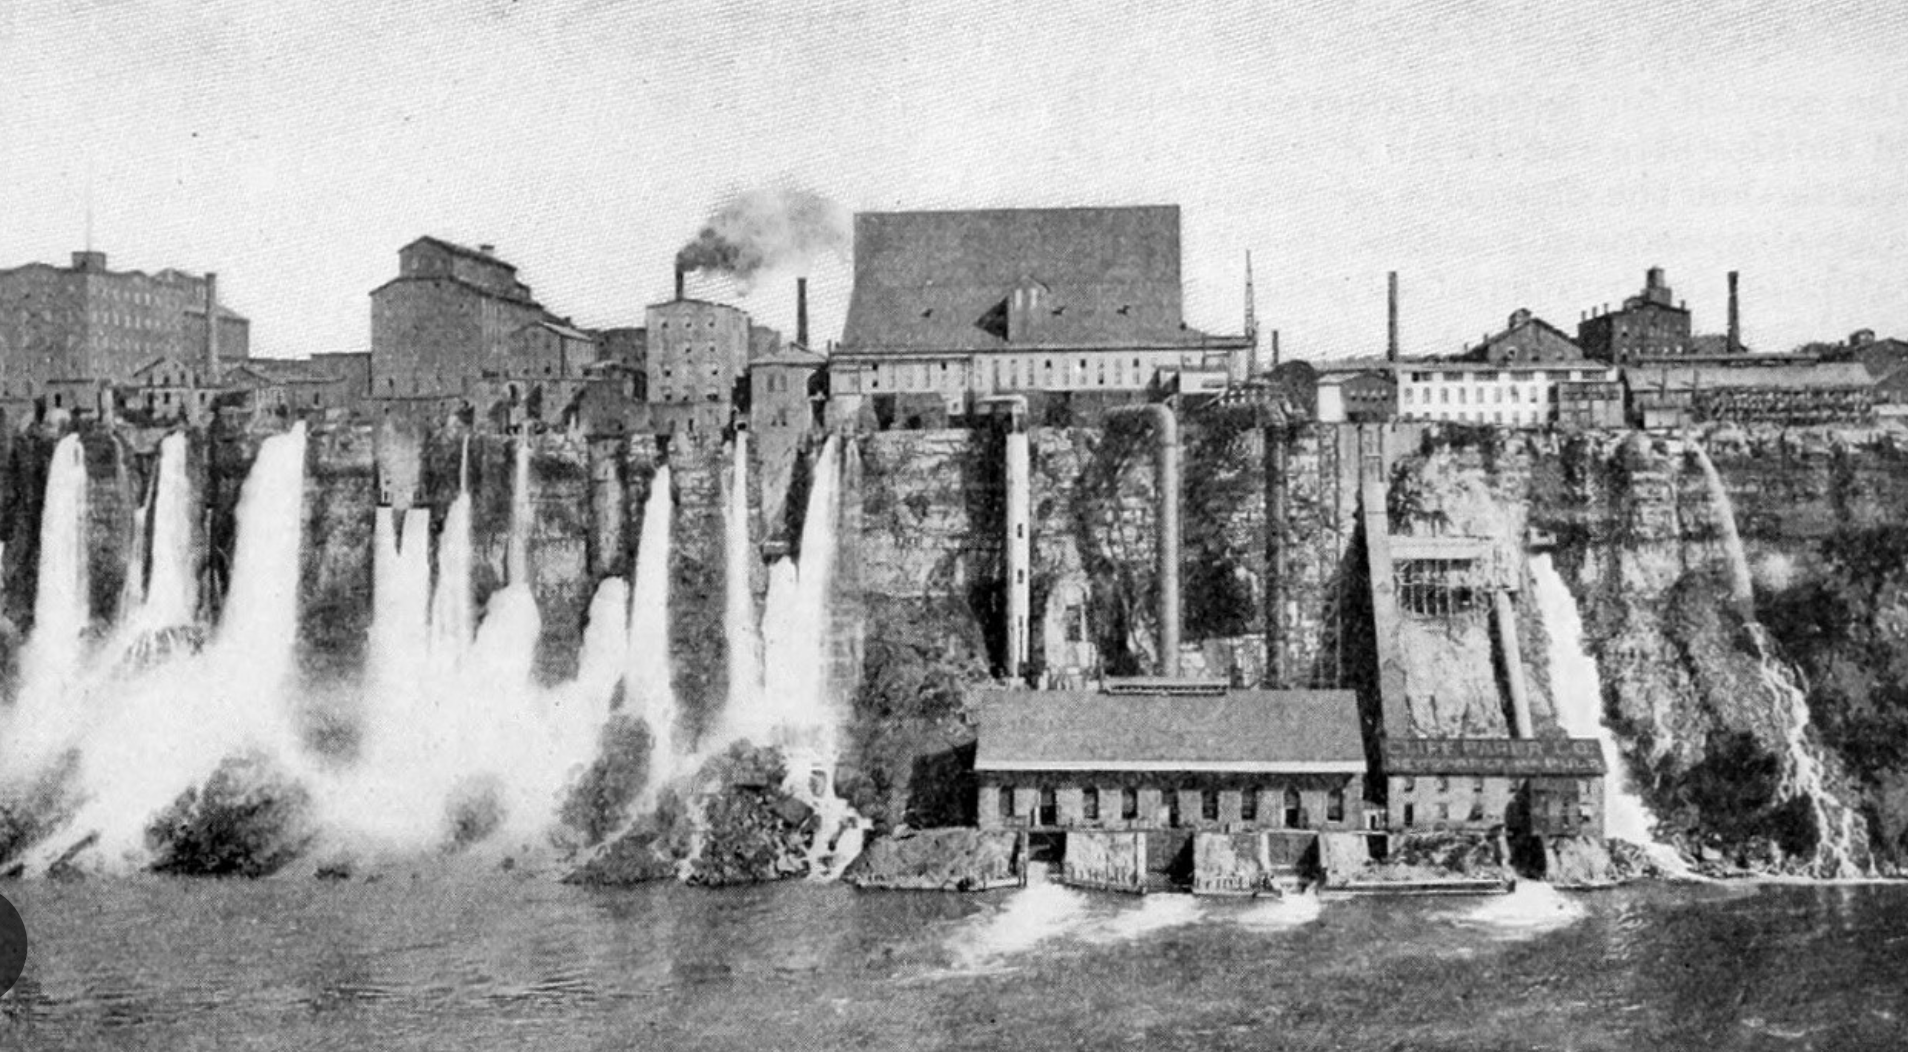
x=956, y=859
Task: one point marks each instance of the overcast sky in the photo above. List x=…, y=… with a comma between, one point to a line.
x=1497, y=155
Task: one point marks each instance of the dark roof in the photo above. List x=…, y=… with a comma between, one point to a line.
x=282, y=371
x=456, y=249
x=940, y=281
x=1786, y=376
x=1244, y=730
x=1526, y=322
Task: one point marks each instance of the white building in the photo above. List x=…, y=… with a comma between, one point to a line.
x=1487, y=393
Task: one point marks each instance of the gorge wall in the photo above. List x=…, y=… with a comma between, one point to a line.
x=1272, y=580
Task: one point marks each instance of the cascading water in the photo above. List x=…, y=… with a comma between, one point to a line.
x=647, y=688
x=1838, y=828
x=172, y=586
x=42, y=718
x=1577, y=691
x=743, y=718
x=806, y=718
x=153, y=733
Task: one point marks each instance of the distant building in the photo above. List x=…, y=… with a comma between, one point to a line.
x=1236, y=760
x=1356, y=394
x=1523, y=394
x=1526, y=339
x=1651, y=324
x=697, y=352
x=1673, y=396
x=1534, y=786
x=964, y=305
x=456, y=323
x=86, y=324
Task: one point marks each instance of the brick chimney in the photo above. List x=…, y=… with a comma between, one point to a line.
x=801, y=312
x=212, y=325
x=1735, y=319
x=1391, y=337
x=679, y=277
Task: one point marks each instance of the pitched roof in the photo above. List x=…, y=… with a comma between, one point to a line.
x=1243, y=730
x=281, y=371
x=456, y=249
x=940, y=281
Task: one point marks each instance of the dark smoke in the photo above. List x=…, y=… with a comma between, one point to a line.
x=757, y=230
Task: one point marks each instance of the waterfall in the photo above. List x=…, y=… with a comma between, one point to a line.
x=647, y=686
x=172, y=588
x=1576, y=689
x=797, y=677
x=745, y=657
x=1838, y=829
x=154, y=733
x=522, y=515
x=42, y=720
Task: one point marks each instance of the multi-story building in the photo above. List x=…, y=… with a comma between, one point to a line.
x=1524, y=394
x=87, y=324
x=695, y=354
x=458, y=323
x=968, y=304
x=1652, y=324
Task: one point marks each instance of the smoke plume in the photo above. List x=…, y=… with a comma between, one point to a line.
x=757, y=230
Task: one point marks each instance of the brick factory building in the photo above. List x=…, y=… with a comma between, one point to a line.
x=1080, y=304
x=67, y=328
x=1143, y=772
x=457, y=323
x=1651, y=324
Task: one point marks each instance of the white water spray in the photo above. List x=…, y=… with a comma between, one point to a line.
x=1838, y=828
x=1577, y=690
x=172, y=587
x=742, y=718
x=647, y=686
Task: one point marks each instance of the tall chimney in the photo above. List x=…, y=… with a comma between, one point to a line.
x=212, y=326
x=1391, y=340
x=1275, y=348
x=801, y=312
x=679, y=277
x=1735, y=320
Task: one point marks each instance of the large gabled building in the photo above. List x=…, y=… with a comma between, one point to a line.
x=457, y=323
x=959, y=306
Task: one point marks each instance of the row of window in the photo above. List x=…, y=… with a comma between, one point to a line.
x=1294, y=817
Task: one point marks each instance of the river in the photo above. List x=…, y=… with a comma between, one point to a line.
x=448, y=960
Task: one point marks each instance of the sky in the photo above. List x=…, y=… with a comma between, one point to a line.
x=1497, y=155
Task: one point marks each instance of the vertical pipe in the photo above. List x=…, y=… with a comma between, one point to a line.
x=1168, y=485
x=801, y=312
x=1019, y=543
x=1513, y=662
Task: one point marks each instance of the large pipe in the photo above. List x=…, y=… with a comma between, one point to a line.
x=1166, y=438
x=1019, y=533
x=1513, y=662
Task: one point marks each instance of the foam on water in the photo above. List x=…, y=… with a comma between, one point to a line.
x=1531, y=908
x=1152, y=913
x=1288, y=912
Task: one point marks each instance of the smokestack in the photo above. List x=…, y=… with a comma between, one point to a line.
x=801, y=312
x=1735, y=320
x=1275, y=348
x=1391, y=339
x=679, y=276
x=212, y=325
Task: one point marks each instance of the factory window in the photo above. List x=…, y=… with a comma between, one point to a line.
x=1129, y=803
x=1497, y=394
x=1090, y=804
x=1294, y=809
x=1049, y=809
x=1249, y=804
x=1444, y=395
x=1477, y=810
x=1006, y=801
x=1075, y=627
x=1444, y=812
x=1335, y=805
x=1409, y=814
x=1444, y=784
x=1172, y=807
x=1209, y=805
x=1408, y=785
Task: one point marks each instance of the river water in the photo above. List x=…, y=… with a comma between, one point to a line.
x=499, y=960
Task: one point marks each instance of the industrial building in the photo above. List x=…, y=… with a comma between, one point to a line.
x=1080, y=304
